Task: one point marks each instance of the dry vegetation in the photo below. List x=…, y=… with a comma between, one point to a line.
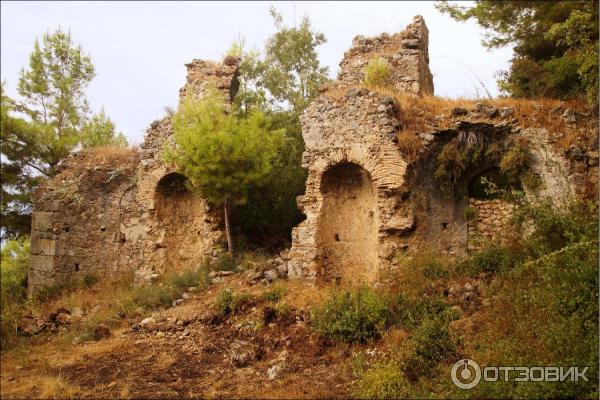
x=432, y=113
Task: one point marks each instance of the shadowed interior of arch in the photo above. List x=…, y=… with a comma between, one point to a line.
x=348, y=224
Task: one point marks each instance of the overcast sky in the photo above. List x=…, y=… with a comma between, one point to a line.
x=139, y=48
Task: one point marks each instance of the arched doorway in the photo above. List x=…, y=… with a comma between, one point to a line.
x=347, y=233
x=181, y=222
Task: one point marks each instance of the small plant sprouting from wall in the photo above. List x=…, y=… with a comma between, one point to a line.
x=377, y=72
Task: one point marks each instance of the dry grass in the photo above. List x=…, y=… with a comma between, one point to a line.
x=409, y=145
x=429, y=113
x=57, y=388
x=110, y=155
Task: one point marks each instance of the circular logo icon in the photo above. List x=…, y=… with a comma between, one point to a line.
x=465, y=374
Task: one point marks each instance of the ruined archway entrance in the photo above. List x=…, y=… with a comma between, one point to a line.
x=347, y=233
x=180, y=221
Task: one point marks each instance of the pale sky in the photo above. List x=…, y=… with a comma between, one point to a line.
x=139, y=48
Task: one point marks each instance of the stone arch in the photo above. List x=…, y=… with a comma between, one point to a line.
x=348, y=224
x=180, y=221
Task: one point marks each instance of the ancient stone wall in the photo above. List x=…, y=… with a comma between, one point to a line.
x=491, y=220
x=406, y=53
x=78, y=219
x=111, y=209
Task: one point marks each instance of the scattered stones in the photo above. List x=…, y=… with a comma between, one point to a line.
x=63, y=319
x=241, y=353
x=192, y=289
x=468, y=288
x=147, y=323
x=275, y=371
x=177, y=302
x=506, y=112
x=186, y=296
x=271, y=275
x=101, y=331
x=29, y=326
x=77, y=312
x=220, y=274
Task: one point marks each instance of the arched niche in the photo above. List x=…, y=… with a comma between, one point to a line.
x=347, y=232
x=181, y=222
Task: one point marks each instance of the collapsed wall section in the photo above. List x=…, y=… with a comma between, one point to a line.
x=406, y=53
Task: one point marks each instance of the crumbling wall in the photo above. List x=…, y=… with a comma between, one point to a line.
x=109, y=209
x=77, y=219
x=406, y=52
x=491, y=219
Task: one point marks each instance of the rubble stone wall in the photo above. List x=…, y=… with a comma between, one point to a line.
x=406, y=53
x=492, y=219
x=77, y=225
x=105, y=218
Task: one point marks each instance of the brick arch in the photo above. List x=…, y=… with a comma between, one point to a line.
x=386, y=166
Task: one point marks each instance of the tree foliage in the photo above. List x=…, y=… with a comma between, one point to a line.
x=222, y=154
x=281, y=83
x=292, y=72
x=51, y=119
x=555, y=44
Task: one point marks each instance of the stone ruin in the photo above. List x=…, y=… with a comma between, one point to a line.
x=366, y=200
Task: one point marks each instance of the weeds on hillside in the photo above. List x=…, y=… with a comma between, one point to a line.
x=113, y=301
x=543, y=311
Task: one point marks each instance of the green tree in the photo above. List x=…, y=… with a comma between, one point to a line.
x=555, y=44
x=292, y=72
x=14, y=267
x=222, y=154
x=100, y=130
x=19, y=179
x=50, y=120
x=282, y=84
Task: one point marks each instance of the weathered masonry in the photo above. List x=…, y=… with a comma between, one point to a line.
x=115, y=210
x=368, y=197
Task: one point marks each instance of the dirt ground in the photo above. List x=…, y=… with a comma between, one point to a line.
x=186, y=354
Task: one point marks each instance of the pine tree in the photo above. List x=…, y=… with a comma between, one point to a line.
x=222, y=154
x=49, y=121
x=555, y=44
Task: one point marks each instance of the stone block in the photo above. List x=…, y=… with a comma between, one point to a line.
x=41, y=264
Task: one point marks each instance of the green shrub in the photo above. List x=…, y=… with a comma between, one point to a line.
x=492, y=259
x=432, y=268
x=353, y=315
x=197, y=277
x=452, y=161
x=14, y=266
x=228, y=302
x=377, y=72
x=90, y=280
x=152, y=296
x=225, y=263
x=470, y=214
x=385, y=381
x=56, y=290
x=515, y=161
x=408, y=313
x=274, y=293
x=554, y=228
